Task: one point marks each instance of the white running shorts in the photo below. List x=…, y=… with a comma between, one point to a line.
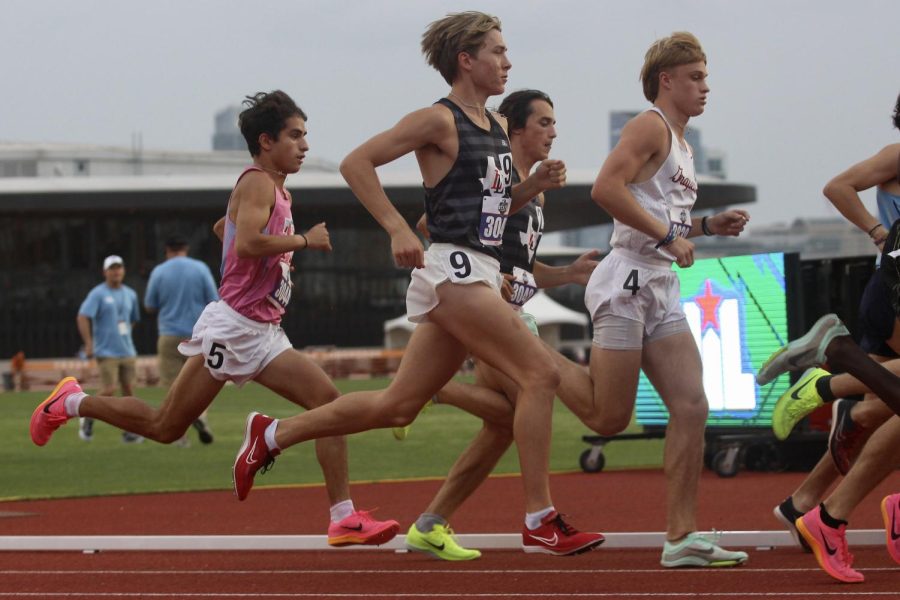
x=447, y=262
x=625, y=287
x=236, y=348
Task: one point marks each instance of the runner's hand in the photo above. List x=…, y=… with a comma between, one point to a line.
x=407, y=250
x=730, y=222
x=683, y=251
x=583, y=266
x=550, y=174
x=318, y=238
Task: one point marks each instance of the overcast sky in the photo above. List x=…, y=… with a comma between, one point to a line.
x=799, y=89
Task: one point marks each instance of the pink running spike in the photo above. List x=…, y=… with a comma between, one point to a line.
x=51, y=413
x=829, y=545
x=890, y=510
x=361, y=528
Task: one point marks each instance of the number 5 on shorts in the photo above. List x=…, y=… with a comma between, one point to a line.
x=216, y=358
x=631, y=282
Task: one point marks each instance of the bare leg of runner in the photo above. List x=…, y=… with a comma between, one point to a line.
x=191, y=393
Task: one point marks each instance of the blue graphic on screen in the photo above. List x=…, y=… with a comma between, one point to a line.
x=737, y=311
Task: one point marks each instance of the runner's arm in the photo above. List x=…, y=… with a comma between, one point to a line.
x=255, y=197
x=640, y=141
x=84, y=328
x=429, y=126
x=843, y=190
x=579, y=271
x=219, y=229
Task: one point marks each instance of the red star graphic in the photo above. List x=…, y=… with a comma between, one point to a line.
x=708, y=303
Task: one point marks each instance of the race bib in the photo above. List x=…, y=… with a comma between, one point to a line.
x=495, y=200
x=281, y=294
x=523, y=285
x=680, y=221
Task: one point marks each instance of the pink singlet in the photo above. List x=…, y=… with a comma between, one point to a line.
x=258, y=288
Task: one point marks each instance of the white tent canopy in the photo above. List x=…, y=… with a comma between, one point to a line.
x=548, y=313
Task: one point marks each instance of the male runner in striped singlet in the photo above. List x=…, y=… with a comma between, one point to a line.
x=532, y=129
x=466, y=164
x=239, y=338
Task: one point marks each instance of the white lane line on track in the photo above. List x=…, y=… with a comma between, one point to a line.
x=842, y=594
x=219, y=572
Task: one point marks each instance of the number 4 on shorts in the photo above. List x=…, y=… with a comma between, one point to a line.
x=631, y=282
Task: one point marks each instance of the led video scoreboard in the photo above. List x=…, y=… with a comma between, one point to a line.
x=737, y=309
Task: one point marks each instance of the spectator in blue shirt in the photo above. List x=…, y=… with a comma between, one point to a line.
x=179, y=289
x=105, y=320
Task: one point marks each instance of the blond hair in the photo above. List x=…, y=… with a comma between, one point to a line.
x=680, y=48
x=457, y=32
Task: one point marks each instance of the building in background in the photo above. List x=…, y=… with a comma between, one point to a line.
x=227, y=136
x=88, y=160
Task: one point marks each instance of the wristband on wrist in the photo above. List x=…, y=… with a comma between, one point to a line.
x=879, y=241
x=706, y=230
x=670, y=237
x=306, y=241
x=871, y=231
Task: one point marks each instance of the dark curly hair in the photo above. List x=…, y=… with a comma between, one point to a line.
x=517, y=107
x=266, y=113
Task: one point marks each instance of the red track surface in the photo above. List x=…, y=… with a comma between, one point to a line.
x=612, y=501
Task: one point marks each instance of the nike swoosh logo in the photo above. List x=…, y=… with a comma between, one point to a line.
x=796, y=393
x=441, y=547
x=895, y=535
x=51, y=403
x=549, y=541
x=250, y=460
x=828, y=548
x=357, y=528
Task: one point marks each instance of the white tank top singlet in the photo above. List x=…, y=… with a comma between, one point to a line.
x=668, y=196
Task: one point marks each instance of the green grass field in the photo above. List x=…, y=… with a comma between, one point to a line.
x=68, y=467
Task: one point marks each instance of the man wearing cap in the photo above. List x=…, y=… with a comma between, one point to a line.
x=179, y=289
x=105, y=319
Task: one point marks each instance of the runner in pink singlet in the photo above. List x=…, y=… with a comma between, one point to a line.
x=238, y=338
x=259, y=288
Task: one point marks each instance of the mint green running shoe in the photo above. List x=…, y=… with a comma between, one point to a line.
x=400, y=433
x=440, y=542
x=804, y=352
x=696, y=550
x=801, y=399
